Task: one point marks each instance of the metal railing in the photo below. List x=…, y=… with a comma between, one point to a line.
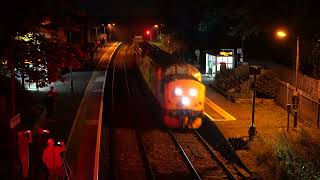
x=308, y=108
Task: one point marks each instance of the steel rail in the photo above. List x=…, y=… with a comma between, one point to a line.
x=112, y=83
x=196, y=174
x=213, y=154
x=125, y=70
x=144, y=154
x=97, y=149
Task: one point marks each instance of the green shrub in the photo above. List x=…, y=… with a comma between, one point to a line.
x=233, y=79
x=267, y=84
x=283, y=156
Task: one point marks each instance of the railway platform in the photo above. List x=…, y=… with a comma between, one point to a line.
x=270, y=119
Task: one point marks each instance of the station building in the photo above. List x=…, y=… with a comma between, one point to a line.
x=214, y=59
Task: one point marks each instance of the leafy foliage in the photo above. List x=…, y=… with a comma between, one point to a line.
x=267, y=84
x=283, y=154
x=232, y=79
x=40, y=58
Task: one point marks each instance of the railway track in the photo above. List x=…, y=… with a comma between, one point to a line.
x=140, y=151
x=200, y=157
x=127, y=157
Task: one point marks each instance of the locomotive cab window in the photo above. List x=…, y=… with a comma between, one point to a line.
x=183, y=70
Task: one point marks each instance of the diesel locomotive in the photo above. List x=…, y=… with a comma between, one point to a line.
x=176, y=85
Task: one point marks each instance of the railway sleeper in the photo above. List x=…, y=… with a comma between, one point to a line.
x=196, y=153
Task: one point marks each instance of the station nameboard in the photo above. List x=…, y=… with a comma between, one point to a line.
x=226, y=53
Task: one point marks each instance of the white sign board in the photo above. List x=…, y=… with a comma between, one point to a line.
x=15, y=121
x=239, y=50
x=197, y=52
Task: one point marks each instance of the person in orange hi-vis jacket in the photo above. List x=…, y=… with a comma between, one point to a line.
x=51, y=157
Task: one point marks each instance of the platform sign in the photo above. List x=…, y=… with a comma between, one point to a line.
x=239, y=51
x=15, y=121
x=197, y=52
x=254, y=70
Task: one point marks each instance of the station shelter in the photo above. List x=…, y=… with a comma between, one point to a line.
x=215, y=58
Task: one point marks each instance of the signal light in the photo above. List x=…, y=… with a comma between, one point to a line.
x=148, y=32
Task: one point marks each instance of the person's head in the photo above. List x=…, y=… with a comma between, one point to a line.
x=39, y=131
x=52, y=88
x=50, y=142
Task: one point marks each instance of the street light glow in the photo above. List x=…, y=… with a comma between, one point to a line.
x=156, y=26
x=281, y=34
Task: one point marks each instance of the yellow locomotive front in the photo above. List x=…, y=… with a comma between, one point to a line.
x=183, y=100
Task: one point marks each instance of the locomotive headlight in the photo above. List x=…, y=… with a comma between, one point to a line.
x=178, y=91
x=193, y=92
x=185, y=101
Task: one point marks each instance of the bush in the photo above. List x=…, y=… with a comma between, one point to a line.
x=226, y=80
x=234, y=80
x=289, y=155
x=267, y=84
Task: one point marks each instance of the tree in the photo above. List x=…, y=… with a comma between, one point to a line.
x=18, y=16
x=40, y=57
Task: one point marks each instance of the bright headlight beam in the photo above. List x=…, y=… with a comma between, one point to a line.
x=178, y=91
x=185, y=101
x=193, y=92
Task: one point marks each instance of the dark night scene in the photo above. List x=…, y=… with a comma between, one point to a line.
x=159, y=90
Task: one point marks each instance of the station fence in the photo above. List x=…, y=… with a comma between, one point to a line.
x=309, y=102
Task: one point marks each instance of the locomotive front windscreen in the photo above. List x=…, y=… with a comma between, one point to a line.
x=183, y=69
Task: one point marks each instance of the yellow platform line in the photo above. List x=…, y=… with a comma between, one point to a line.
x=219, y=110
x=216, y=120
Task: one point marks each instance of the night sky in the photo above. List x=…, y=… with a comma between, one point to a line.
x=167, y=11
x=181, y=17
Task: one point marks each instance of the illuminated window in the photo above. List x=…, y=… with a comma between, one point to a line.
x=227, y=60
x=219, y=59
x=230, y=60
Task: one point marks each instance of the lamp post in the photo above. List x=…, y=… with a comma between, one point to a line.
x=253, y=70
x=104, y=28
x=110, y=29
x=71, y=79
x=297, y=61
x=295, y=96
x=157, y=31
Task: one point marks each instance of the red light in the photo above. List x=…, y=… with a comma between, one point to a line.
x=148, y=32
